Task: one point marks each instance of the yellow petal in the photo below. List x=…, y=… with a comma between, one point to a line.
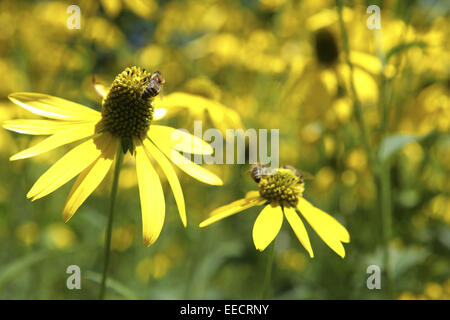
x=171, y=175
x=185, y=100
x=233, y=208
x=179, y=140
x=151, y=195
x=188, y=166
x=267, y=225
x=89, y=180
x=328, y=228
x=37, y=127
x=70, y=134
x=70, y=165
x=222, y=117
x=252, y=194
x=366, y=61
x=53, y=107
x=299, y=229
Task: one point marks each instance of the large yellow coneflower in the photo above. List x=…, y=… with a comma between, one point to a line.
x=281, y=192
x=125, y=124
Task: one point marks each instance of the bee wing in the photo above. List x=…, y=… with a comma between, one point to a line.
x=99, y=88
x=306, y=175
x=252, y=165
x=161, y=92
x=303, y=174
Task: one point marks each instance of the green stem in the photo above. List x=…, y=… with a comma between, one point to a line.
x=268, y=276
x=384, y=173
x=380, y=170
x=356, y=102
x=118, y=165
x=386, y=220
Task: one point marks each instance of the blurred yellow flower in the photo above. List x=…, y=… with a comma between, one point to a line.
x=430, y=110
x=406, y=296
x=59, y=236
x=142, y=8
x=431, y=291
x=349, y=177
x=222, y=117
x=324, y=179
x=103, y=32
x=439, y=208
x=122, y=238
x=272, y=4
x=105, y=132
x=143, y=269
x=281, y=192
x=311, y=132
x=152, y=56
x=357, y=159
x=156, y=267
x=343, y=109
x=292, y=260
x=28, y=232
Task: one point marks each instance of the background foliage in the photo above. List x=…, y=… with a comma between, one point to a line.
x=279, y=64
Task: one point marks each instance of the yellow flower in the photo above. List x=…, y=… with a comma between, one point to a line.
x=281, y=192
x=222, y=117
x=59, y=236
x=28, y=232
x=141, y=8
x=126, y=120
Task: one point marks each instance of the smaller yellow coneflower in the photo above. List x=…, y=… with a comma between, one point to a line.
x=281, y=191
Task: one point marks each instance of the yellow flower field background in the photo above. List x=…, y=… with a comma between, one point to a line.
x=365, y=111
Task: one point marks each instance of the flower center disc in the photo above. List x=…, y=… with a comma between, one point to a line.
x=124, y=112
x=281, y=186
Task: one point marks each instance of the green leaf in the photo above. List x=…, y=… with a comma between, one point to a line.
x=404, y=259
x=404, y=46
x=11, y=270
x=394, y=143
x=209, y=265
x=431, y=137
x=112, y=284
x=391, y=144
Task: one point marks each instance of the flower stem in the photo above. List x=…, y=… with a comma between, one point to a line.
x=356, y=102
x=386, y=220
x=118, y=165
x=385, y=169
x=268, y=276
x=380, y=169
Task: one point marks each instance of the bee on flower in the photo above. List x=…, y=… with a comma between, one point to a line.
x=281, y=193
x=125, y=124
